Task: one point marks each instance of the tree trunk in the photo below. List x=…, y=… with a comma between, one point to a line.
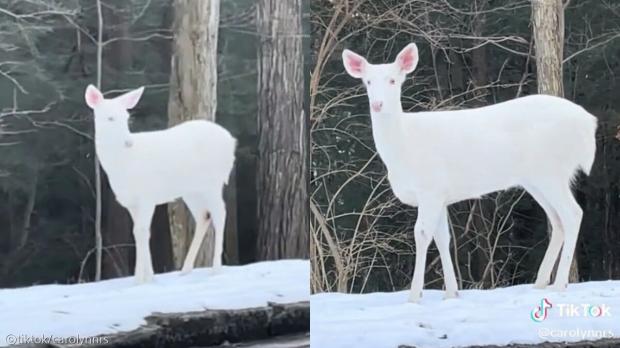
x=98, y=182
x=231, y=238
x=193, y=95
x=479, y=55
x=117, y=260
x=548, y=27
x=283, y=225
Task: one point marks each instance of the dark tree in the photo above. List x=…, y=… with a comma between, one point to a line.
x=282, y=133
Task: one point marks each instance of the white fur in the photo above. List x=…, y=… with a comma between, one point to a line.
x=437, y=158
x=192, y=160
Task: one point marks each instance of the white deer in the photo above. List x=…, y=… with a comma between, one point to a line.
x=192, y=161
x=434, y=159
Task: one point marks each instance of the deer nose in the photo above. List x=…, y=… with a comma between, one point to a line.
x=376, y=106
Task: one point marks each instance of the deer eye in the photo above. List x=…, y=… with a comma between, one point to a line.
x=392, y=81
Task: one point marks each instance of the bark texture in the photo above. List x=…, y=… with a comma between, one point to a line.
x=211, y=328
x=284, y=325
x=193, y=95
x=283, y=225
x=548, y=27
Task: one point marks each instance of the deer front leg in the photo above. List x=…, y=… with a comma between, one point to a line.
x=429, y=212
x=141, y=216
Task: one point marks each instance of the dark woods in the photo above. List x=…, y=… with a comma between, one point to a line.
x=48, y=55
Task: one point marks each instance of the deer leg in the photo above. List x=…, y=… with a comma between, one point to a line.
x=555, y=241
x=429, y=213
x=442, y=240
x=141, y=216
x=206, y=209
x=570, y=214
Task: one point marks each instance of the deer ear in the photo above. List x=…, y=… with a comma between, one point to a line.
x=354, y=63
x=407, y=59
x=93, y=96
x=130, y=99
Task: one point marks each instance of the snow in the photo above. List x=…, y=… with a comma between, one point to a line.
x=116, y=305
x=478, y=317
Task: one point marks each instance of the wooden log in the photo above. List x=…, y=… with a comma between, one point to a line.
x=295, y=341
x=209, y=328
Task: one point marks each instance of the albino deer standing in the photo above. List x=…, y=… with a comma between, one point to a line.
x=434, y=159
x=192, y=160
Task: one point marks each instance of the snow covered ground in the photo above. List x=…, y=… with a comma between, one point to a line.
x=501, y=316
x=118, y=305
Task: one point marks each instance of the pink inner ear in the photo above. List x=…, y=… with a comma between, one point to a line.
x=407, y=59
x=355, y=64
x=132, y=100
x=93, y=97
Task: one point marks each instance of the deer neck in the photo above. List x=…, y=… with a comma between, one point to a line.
x=111, y=141
x=387, y=132
x=387, y=125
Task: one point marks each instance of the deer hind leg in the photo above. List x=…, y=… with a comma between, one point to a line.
x=442, y=240
x=142, y=216
x=555, y=241
x=218, y=212
x=198, y=206
x=570, y=214
x=429, y=213
x=206, y=209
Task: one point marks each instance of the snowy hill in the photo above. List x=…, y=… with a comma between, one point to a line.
x=478, y=317
x=117, y=305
